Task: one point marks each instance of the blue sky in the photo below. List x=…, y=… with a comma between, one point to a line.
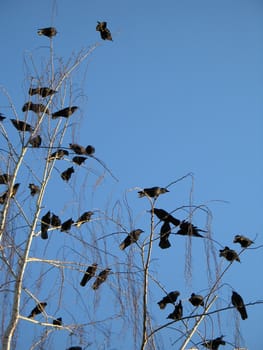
x=179, y=90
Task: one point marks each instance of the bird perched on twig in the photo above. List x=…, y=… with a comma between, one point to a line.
x=55, y=220
x=49, y=31
x=45, y=223
x=213, y=344
x=57, y=321
x=35, y=107
x=103, y=275
x=34, y=189
x=104, y=31
x=66, y=175
x=90, y=272
x=66, y=226
x=164, y=235
x=42, y=91
x=132, y=237
x=238, y=302
x=165, y=216
x=90, y=150
x=85, y=217
x=177, y=314
x=12, y=192
x=65, y=112
x=229, y=254
x=152, y=192
x=170, y=298
x=188, y=229
x=37, y=310
x=59, y=154
x=79, y=160
x=78, y=149
x=20, y=125
x=196, y=300
x=35, y=141
x=243, y=241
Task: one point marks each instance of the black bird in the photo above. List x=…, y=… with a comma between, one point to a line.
x=90, y=150
x=35, y=107
x=152, y=192
x=78, y=149
x=34, y=189
x=45, y=223
x=59, y=154
x=188, y=229
x=170, y=298
x=66, y=226
x=196, y=300
x=177, y=314
x=43, y=91
x=57, y=321
x=65, y=112
x=213, y=344
x=55, y=221
x=238, y=302
x=21, y=125
x=75, y=348
x=85, y=217
x=49, y=31
x=243, y=241
x=132, y=237
x=5, y=178
x=104, y=31
x=2, y=117
x=101, y=278
x=79, y=160
x=37, y=310
x=164, y=235
x=229, y=254
x=90, y=272
x=165, y=216
x=66, y=175
x=3, y=197
x=35, y=141
x=14, y=190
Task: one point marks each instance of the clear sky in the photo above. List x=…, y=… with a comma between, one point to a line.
x=178, y=91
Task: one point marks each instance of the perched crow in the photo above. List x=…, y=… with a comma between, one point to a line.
x=5, y=178
x=170, y=298
x=177, y=314
x=14, y=190
x=59, y=154
x=132, y=237
x=90, y=150
x=90, y=272
x=101, y=278
x=43, y=91
x=214, y=343
x=187, y=229
x=45, y=223
x=65, y=112
x=243, y=241
x=66, y=226
x=66, y=175
x=55, y=221
x=238, y=302
x=49, y=31
x=152, y=192
x=57, y=321
x=21, y=125
x=79, y=160
x=85, y=217
x=35, y=107
x=34, y=189
x=77, y=148
x=2, y=117
x=104, y=31
x=37, y=310
x=164, y=235
x=229, y=254
x=165, y=216
x=196, y=300
x=35, y=141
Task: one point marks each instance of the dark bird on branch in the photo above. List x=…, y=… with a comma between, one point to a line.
x=78, y=149
x=188, y=229
x=196, y=300
x=49, y=31
x=132, y=237
x=35, y=141
x=55, y=221
x=57, y=321
x=45, y=223
x=59, y=154
x=101, y=278
x=66, y=175
x=177, y=314
x=170, y=298
x=214, y=343
x=3, y=197
x=34, y=189
x=243, y=241
x=85, y=217
x=65, y=112
x=2, y=117
x=90, y=150
x=164, y=235
x=165, y=216
x=43, y=91
x=21, y=125
x=229, y=254
x=104, y=31
x=14, y=190
x=152, y=192
x=238, y=302
x=79, y=160
x=90, y=272
x=37, y=310
x=66, y=226
x=5, y=178
x=35, y=107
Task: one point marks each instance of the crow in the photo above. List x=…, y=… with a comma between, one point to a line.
x=85, y=217
x=104, y=31
x=132, y=237
x=229, y=254
x=35, y=141
x=196, y=300
x=90, y=150
x=34, y=189
x=177, y=314
x=65, y=112
x=164, y=235
x=78, y=149
x=66, y=175
x=14, y=190
x=37, y=310
x=49, y=31
x=170, y=298
x=55, y=221
x=57, y=321
x=101, y=278
x=35, y=107
x=43, y=91
x=90, y=272
x=238, y=302
x=79, y=160
x=243, y=241
x=213, y=344
x=152, y=192
x=188, y=229
x=66, y=226
x=5, y=178
x=21, y=125
x=45, y=223
x=59, y=154
x=165, y=216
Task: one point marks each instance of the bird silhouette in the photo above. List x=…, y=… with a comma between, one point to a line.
x=49, y=31
x=55, y=221
x=165, y=216
x=35, y=141
x=37, y=310
x=45, y=223
x=229, y=254
x=170, y=298
x=101, y=278
x=90, y=150
x=34, y=189
x=238, y=302
x=5, y=178
x=66, y=175
x=21, y=125
x=59, y=154
x=104, y=31
x=152, y=192
x=243, y=241
x=196, y=300
x=2, y=117
x=42, y=91
x=35, y=107
x=177, y=314
x=188, y=229
x=79, y=160
x=164, y=235
x=66, y=226
x=78, y=149
x=65, y=112
x=3, y=197
x=57, y=321
x=132, y=237
x=85, y=217
x=213, y=344
x=90, y=272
